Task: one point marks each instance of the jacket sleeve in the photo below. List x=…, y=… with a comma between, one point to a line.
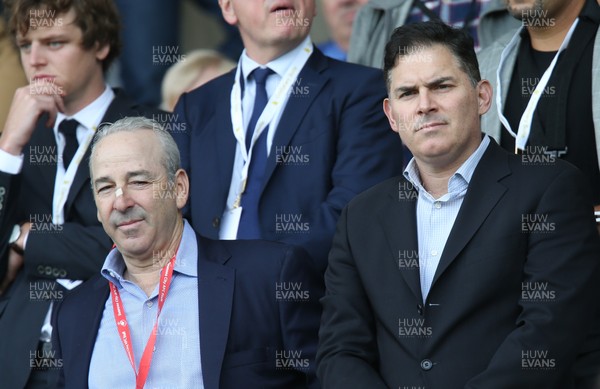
x=347, y=356
x=548, y=333
x=300, y=311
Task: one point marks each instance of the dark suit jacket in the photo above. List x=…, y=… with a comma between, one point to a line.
x=335, y=127
x=243, y=321
x=75, y=250
x=511, y=300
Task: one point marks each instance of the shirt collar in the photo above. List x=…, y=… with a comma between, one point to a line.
x=464, y=172
x=185, y=262
x=90, y=116
x=279, y=65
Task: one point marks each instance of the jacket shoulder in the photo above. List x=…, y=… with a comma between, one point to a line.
x=123, y=106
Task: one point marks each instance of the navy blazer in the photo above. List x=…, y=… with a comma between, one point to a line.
x=244, y=322
x=511, y=300
x=75, y=250
x=333, y=141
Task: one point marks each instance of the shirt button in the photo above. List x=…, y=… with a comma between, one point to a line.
x=434, y=252
x=149, y=304
x=438, y=205
x=112, y=274
x=426, y=364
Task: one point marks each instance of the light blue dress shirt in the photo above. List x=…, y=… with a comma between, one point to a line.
x=333, y=50
x=176, y=360
x=435, y=217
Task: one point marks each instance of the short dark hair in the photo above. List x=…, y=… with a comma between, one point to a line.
x=406, y=38
x=98, y=20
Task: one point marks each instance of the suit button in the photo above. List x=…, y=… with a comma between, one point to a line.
x=215, y=222
x=48, y=271
x=420, y=309
x=62, y=273
x=40, y=269
x=2, y=191
x=426, y=364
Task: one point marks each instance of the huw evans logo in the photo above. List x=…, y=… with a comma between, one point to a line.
x=537, y=360
x=291, y=155
x=291, y=223
x=413, y=328
x=291, y=291
x=290, y=360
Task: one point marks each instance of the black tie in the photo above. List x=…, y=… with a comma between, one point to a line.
x=68, y=128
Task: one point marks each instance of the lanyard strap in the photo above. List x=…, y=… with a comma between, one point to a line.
x=273, y=107
x=58, y=202
x=524, y=130
x=166, y=276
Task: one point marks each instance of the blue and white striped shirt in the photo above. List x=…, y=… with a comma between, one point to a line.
x=435, y=217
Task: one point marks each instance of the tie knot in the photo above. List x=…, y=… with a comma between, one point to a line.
x=260, y=75
x=68, y=127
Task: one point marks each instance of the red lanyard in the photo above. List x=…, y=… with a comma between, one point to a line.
x=166, y=275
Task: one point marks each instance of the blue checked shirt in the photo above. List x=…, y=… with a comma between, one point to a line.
x=435, y=217
x=176, y=360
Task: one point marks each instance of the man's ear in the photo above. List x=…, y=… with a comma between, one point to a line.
x=102, y=52
x=484, y=95
x=228, y=12
x=182, y=188
x=387, y=109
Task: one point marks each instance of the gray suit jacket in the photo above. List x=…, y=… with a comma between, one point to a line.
x=489, y=59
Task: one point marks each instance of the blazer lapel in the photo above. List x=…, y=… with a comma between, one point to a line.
x=82, y=175
x=215, y=299
x=226, y=142
x=400, y=225
x=482, y=196
x=89, y=325
x=296, y=107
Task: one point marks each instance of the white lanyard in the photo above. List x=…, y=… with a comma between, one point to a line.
x=58, y=202
x=522, y=135
x=273, y=107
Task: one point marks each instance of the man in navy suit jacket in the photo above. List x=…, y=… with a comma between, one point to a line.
x=326, y=137
x=235, y=315
x=476, y=268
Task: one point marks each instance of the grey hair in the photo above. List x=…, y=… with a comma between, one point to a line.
x=171, y=156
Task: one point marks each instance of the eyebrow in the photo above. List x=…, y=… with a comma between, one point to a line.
x=429, y=85
x=51, y=37
x=137, y=173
